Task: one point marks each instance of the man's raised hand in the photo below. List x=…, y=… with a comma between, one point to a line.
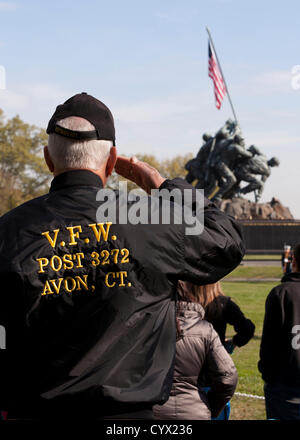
x=141, y=173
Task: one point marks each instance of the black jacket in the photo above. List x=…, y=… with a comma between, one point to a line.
x=230, y=313
x=89, y=308
x=280, y=345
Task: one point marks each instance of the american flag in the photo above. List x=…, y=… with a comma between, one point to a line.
x=215, y=74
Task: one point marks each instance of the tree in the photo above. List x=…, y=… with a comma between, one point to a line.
x=23, y=172
x=172, y=168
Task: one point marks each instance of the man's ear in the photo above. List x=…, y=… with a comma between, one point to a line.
x=48, y=159
x=111, y=162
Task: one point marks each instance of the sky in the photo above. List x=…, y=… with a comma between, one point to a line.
x=147, y=61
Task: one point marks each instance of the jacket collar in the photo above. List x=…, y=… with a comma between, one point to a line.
x=75, y=178
x=292, y=276
x=195, y=309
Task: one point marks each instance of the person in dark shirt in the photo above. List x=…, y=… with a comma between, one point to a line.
x=220, y=310
x=279, y=361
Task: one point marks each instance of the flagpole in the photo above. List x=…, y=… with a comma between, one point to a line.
x=210, y=39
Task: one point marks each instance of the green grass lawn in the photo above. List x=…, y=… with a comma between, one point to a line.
x=250, y=297
x=262, y=257
x=243, y=408
x=256, y=272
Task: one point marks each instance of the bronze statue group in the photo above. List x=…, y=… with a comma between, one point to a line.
x=223, y=163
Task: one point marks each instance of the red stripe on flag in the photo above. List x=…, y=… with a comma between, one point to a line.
x=215, y=74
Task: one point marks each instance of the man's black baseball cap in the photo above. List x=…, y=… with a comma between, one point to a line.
x=87, y=107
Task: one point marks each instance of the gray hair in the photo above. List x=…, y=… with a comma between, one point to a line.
x=69, y=153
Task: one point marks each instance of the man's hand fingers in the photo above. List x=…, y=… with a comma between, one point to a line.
x=124, y=166
x=121, y=163
x=141, y=173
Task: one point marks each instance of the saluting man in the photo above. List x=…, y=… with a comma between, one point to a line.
x=87, y=303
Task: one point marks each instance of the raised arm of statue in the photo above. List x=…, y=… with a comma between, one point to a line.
x=254, y=150
x=241, y=151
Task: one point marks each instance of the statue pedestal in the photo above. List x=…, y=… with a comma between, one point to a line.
x=243, y=209
x=267, y=227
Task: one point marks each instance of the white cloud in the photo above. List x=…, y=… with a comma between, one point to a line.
x=275, y=139
x=161, y=109
x=33, y=102
x=153, y=111
x=45, y=92
x=42, y=99
x=7, y=6
x=12, y=100
x=276, y=79
x=266, y=83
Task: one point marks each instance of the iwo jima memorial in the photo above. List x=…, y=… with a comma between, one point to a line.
x=229, y=172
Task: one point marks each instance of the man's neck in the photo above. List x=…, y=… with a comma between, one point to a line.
x=98, y=173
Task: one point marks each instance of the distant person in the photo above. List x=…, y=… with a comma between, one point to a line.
x=197, y=345
x=286, y=259
x=280, y=346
